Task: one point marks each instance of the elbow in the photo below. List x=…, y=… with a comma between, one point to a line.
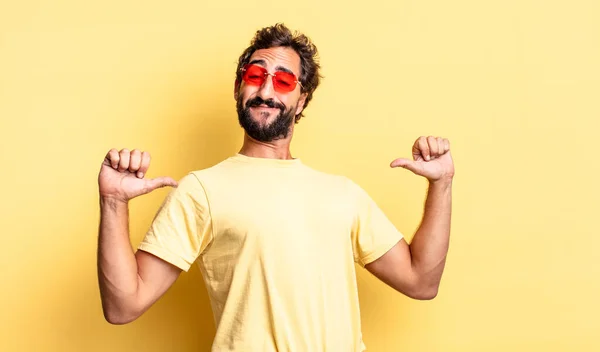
x=117, y=319
x=117, y=316
x=424, y=293
x=427, y=295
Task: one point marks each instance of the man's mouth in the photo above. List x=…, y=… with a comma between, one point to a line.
x=263, y=107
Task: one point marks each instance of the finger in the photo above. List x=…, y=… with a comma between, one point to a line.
x=145, y=165
x=113, y=158
x=135, y=160
x=406, y=164
x=441, y=146
x=433, y=149
x=416, y=150
x=446, y=145
x=400, y=162
x=160, y=182
x=424, y=148
x=124, y=160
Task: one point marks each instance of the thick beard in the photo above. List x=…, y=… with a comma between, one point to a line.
x=278, y=129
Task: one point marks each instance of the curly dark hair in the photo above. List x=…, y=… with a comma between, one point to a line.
x=279, y=35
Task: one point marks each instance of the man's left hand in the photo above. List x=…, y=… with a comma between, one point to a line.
x=431, y=159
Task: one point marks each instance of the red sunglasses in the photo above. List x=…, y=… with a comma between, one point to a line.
x=283, y=82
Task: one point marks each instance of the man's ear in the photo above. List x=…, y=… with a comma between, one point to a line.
x=301, y=103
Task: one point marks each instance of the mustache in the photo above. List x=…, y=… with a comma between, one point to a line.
x=257, y=101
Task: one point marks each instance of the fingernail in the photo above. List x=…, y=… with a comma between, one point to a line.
x=140, y=174
x=427, y=157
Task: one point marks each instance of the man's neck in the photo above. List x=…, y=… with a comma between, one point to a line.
x=277, y=149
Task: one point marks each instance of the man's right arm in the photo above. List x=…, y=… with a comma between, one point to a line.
x=129, y=282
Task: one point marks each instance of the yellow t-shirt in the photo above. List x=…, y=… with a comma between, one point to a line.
x=276, y=242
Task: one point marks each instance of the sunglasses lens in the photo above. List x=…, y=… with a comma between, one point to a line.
x=254, y=75
x=284, y=81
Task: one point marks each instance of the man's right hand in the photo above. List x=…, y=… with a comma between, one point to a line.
x=122, y=175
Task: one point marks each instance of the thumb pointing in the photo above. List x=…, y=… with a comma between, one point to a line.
x=404, y=163
x=161, y=182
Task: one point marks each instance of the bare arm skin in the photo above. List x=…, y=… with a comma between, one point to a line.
x=129, y=283
x=416, y=269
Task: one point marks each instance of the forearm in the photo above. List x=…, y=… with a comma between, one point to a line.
x=117, y=266
x=429, y=246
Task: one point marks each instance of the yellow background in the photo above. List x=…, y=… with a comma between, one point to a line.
x=514, y=85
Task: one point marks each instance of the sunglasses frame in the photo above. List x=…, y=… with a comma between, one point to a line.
x=267, y=73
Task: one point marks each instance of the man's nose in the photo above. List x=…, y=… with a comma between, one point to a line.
x=266, y=91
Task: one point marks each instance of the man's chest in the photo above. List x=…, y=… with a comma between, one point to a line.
x=287, y=220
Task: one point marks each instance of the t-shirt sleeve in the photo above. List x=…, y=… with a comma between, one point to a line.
x=373, y=234
x=182, y=227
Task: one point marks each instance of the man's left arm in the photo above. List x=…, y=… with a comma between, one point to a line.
x=416, y=269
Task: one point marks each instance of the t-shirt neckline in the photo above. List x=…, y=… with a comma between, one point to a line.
x=267, y=161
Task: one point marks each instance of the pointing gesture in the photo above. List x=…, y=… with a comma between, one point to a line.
x=431, y=159
x=122, y=175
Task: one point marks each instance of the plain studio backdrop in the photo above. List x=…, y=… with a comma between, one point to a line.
x=514, y=85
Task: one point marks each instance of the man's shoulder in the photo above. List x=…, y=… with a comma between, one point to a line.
x=215, y=168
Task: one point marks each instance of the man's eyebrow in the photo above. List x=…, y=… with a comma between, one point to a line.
x=283, y=69
x=258, y=61
x=262, y=62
